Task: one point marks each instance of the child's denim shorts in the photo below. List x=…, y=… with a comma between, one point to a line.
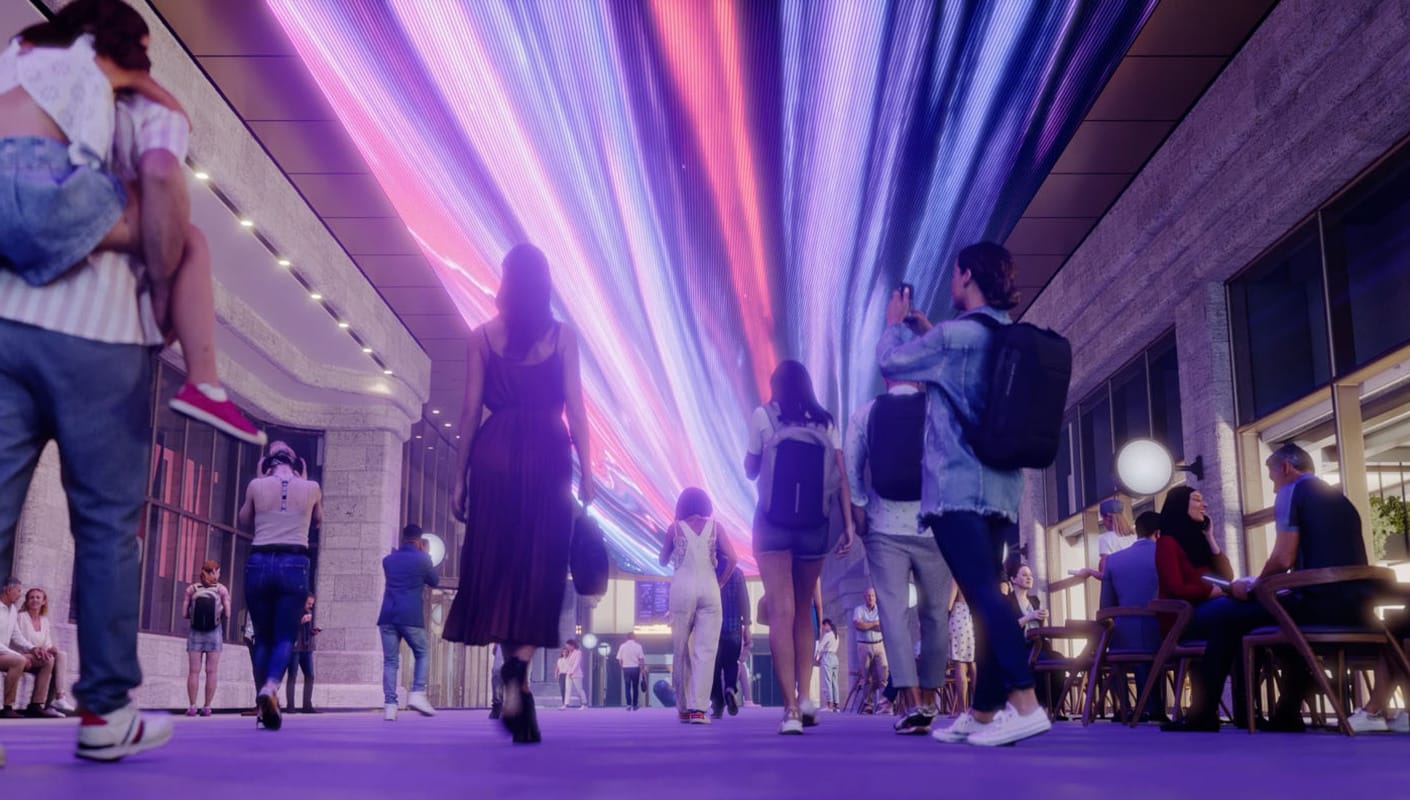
x=53, y=213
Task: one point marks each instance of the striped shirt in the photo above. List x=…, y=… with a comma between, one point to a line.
x=104, y=299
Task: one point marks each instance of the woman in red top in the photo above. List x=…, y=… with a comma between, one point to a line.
x=1187, y=550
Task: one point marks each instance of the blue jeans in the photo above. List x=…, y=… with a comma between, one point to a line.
x=391, y=658
x=276, y=588
x=973, y=546
x=95, y=401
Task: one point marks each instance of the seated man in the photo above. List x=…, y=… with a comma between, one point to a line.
x=1317, y=527
x=16, y=659
x=1129, y=580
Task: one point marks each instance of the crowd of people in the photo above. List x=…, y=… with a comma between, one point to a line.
x=911, y=482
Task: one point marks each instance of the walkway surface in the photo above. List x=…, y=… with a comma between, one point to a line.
x=611, y=753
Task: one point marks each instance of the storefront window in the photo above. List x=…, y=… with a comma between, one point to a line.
x=1279, y=321
x=1098, y=480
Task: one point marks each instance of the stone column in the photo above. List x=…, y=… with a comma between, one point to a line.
x=361, y=519
x=1207, y=410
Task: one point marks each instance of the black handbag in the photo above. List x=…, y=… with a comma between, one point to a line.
x=587, y=557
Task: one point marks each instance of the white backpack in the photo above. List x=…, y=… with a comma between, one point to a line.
x=798, y=476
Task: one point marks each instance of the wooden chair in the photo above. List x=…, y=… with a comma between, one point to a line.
x=1106, y=660
x=1172, y=650
x=1307, y=640
x=1043, y=660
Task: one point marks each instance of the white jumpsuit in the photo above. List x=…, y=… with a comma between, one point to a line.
x=695, y=612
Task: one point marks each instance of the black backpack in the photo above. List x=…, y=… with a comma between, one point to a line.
x=896, y=445
x=1021, y=420
x=205, y=605
x=798, y=475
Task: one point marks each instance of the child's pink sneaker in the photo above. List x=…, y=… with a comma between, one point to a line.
x=213, y=407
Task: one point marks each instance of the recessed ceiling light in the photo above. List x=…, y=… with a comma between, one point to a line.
x=284, y=262
x=247, y=223
x=418, y=436
x=367, y=350
x=315, y=295
x=447, y=424
x=386, y=372
x=342, y=324
x=202, y=175
x=435, y=411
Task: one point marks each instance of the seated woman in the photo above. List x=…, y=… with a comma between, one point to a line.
x=1187, y=550
x=33, y=629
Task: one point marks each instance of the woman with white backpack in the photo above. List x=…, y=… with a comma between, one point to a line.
x=795, y=455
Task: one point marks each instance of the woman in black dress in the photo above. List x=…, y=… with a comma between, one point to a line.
x=515, y=496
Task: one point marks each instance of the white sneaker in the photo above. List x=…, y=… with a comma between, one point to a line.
x=1362, y=721
x=1400, y=723
x=964, y=726
x=808, y=712
x=1009, y=726
x=64, y=704
x=792, y=724
x=418, y=703
x=389, y=712
x=108, y=737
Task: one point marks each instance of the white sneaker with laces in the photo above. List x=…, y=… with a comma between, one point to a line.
x=417, y=702
x=1009, y=726
x=1363, y=721
x=1400, y=723
x=792, y=724
x=389, y=712
x=121, y=733
x=964, y=726
x=64, y=704
x=808, y=712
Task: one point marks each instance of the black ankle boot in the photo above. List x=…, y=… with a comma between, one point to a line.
x=513, y=675
x=528, y=732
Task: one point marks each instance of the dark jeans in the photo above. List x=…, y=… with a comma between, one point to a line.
x=276, y=587
x=302, y=659
x=631, y=680
x=973, y=546
x=95, y=401
x=726, y=667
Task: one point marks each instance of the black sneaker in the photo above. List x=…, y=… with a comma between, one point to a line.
x=917, y=722
x=732, y=702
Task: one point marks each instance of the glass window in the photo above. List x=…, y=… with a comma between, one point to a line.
x=1130, y=404
x=1098, y=480
x=1065, y=475
x=1368, y=261
x=224, y=470
x=1279, y=320
x=1164, y=370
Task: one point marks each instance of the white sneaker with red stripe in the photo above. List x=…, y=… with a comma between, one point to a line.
x=211, y=405
x=108, y=737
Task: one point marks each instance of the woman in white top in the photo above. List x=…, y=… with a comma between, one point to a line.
x=790, y=557
x=825, y=653
x=33, y=629
x=281, y=506
x=560, y=671
x=207, y=606
x=694, y=545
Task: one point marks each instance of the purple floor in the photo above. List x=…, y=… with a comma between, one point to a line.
x=610, y=753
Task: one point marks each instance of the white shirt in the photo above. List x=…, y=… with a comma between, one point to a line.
x=10, y=641
x=864, y=614
x=891, y=517
x=102, y=301
x=34, y=639
x=827, y=644
x=630, y=654
x=1109, y=542
x=67, y=83
x=574, y=666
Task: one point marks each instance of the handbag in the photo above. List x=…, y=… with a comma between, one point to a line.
x=587, y=556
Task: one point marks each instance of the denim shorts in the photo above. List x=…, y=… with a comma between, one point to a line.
x=806, y=544
x=53, y=213
x=205, y=641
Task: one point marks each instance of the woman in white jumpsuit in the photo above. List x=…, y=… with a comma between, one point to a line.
x=694, y=545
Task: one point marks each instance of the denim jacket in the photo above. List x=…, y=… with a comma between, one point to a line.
x=952, y=360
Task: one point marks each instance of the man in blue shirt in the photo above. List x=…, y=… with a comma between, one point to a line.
x=970, y=507
x=408, y=570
